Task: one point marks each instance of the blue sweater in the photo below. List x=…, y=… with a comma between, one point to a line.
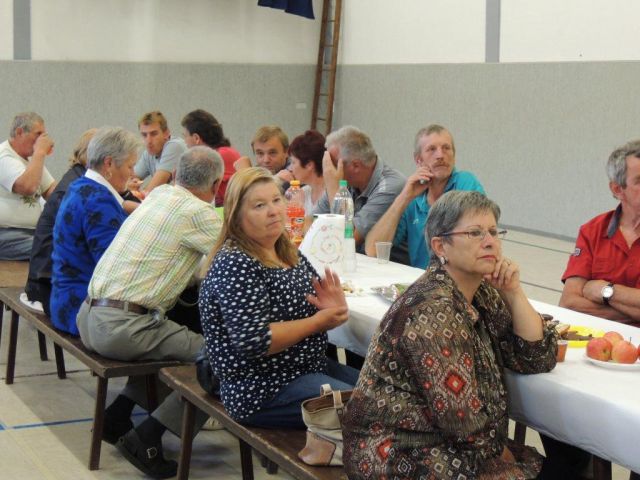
x=88, y=219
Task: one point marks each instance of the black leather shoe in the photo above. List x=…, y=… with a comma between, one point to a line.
x=113, y=430
x=146, y=458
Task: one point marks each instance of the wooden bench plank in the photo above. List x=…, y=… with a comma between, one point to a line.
x=279, y=445
x=13, y=274
x=101, y=366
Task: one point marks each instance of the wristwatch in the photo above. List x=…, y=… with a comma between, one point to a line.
x=607, y=293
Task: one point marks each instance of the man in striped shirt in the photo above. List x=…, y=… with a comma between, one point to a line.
x=150, y=261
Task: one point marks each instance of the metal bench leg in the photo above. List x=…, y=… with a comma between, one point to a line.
x=42, y=344
x=520, y=433
x=152, y=391
x=59, y=354
x=186, y=440
x=246, y=461
x=601, y=468
x=13, y=345
x=98, y=424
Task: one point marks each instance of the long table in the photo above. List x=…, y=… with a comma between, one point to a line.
x=585, y=405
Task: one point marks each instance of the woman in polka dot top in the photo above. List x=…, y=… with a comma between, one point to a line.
x=265, y=312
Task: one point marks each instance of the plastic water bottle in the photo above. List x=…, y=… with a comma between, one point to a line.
x=343, y=205
x=295, y=212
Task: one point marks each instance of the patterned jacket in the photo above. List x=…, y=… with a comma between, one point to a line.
x=431, y=400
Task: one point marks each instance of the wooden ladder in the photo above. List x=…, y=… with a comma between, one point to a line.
x=324, y=92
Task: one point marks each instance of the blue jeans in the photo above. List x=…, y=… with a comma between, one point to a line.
x=15, y=243
x=284, y=409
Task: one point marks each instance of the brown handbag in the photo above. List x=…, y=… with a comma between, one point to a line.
x=323, y=417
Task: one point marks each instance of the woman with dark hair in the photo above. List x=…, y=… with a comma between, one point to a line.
x=306, y=153
x=265, y=312
x=202, y=128
x=431, y=400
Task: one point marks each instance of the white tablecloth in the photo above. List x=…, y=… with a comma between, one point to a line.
x=582, y=404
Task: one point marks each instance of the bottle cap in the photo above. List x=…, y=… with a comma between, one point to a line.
x=343, y=183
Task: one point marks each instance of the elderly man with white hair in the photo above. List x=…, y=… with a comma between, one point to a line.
x=373, y=185
x=23, y=180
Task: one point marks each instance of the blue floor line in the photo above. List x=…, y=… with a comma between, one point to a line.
x=59, y=422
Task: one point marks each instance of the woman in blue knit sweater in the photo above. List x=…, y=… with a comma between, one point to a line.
x=88, y=219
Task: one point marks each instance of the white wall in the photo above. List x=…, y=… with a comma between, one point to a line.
x=412, y=31
x=373, y=31
x=207, y=31
x=569, y=30
x=6, y=29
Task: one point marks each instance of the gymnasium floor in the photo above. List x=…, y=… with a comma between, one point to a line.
x=45, y=422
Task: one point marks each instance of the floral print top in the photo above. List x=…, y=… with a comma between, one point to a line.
x=431, y=400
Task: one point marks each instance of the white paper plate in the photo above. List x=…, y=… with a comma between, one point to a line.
x=613, y=365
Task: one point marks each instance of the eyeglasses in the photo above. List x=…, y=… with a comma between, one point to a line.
x=478, y=234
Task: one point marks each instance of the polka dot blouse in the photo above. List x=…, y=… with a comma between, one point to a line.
x=239, y=298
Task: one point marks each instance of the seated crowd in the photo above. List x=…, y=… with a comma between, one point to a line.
x=132, y=226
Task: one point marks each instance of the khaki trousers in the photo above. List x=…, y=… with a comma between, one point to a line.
x=129, y=336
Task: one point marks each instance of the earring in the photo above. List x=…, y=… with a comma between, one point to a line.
x=443, y=260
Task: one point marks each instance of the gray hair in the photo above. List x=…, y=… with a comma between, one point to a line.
x=25, y=121
x=353, y=144
x=199, y=168
x=445, y=214
x=617, y=163
x=425, y=132
x=114, y=142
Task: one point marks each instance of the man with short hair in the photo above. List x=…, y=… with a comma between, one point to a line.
x=404, y=221
x=373, y=185
x=270, y=146
x=23, y=180
x=162, y=152
x=150, y=261
x=603, y=273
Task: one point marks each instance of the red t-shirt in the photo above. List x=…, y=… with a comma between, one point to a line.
x=229, y=156
x=602, y=253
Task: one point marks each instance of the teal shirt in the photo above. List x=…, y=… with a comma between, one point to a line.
x=411, y=226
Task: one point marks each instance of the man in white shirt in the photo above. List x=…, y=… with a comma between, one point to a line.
x=23, y=180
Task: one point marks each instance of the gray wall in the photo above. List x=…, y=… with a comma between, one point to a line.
x=74, y=96
x=537, y=135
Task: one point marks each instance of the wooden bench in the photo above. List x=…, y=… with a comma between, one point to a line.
x=279, y=446
x=14, y=274
x=103, y=368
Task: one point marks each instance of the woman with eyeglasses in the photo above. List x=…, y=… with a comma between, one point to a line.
x=431, y=400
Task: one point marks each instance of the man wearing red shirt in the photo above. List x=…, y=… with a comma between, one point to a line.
x=603, y=274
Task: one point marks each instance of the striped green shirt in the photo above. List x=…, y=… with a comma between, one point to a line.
x=157, y=249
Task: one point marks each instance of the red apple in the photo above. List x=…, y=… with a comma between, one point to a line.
x=599, y=348
x=613, y=337
x=624, y=352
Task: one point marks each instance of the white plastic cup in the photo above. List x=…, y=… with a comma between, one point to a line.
x=383, y=251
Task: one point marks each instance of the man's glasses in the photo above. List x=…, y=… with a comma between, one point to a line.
x=478, y=234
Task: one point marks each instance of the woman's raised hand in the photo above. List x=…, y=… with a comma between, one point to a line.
x=329, y=293
x=329, y=300
x=505, y=276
